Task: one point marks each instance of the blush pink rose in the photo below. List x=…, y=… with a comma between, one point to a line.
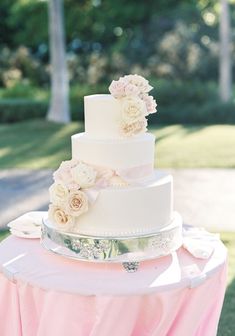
x=139, y=81
x=131, y=90
x=117, y=88
x=63, y=173
x=150, y=103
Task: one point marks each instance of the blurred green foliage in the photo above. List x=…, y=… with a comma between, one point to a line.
x=180, y=102
x=163, y=39
x=173, y=43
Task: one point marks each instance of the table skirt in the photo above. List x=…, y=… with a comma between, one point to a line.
x=29, y=309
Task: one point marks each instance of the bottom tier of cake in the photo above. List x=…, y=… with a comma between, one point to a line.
x=114, y=249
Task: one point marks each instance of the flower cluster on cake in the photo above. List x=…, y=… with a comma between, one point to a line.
x=76, y=186
x=108, y=202
x=137, y=103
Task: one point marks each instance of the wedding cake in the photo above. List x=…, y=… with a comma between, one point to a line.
x=108, y=203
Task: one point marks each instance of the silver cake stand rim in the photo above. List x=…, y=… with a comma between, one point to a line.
x=130, y=257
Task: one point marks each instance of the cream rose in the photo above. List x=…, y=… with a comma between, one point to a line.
x=137, y=127
x=77, y=203
x=84, y=175
x=58, y=193
x=133, y=109
x=59, y=217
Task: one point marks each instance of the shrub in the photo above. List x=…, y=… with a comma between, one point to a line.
x=14, y=110
x=190, y=102
x=178, y=102
x=212, y=112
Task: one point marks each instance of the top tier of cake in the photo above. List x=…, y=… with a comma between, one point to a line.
x=102, y=116
x=103, y=144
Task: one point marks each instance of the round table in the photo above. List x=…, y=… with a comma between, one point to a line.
x=44, y=294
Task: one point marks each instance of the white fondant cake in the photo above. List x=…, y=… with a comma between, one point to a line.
x=110, y=188
x=103, y=124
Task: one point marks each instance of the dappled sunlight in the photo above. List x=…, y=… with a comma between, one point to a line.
x=185, y=146
x=40, y=144
x=35, y=144
x=165, y=131
x=4, y=151
x=67, y=130
x=41, y=163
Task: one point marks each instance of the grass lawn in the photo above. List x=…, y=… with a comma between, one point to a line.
x=227, y=325
x=40, y=144
x=3, y=234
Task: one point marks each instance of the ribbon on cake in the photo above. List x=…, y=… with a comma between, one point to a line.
x=135, y=176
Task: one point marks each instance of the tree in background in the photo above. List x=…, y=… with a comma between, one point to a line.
x=59, y=105
x=225, y=67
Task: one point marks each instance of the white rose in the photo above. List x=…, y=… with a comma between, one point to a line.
x=137, y=127
x=84, y=175
x=77, y=203
x=58, y=193
x=133, y=109
x=63, y=173
x=59, y=217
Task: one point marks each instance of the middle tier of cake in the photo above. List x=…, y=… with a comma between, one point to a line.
x=132, y=156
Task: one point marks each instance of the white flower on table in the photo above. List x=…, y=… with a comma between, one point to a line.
x=77, y=203
x=60, y=217
x=83, y=175
x=133, y=109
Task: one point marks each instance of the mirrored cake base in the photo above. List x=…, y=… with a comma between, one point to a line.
x=129, y=251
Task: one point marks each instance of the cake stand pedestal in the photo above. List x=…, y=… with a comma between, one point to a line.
x=44, y=294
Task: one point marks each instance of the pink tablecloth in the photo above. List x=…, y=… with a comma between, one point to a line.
x=45, y=295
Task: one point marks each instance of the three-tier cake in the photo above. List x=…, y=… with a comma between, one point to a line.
x=108, y=203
